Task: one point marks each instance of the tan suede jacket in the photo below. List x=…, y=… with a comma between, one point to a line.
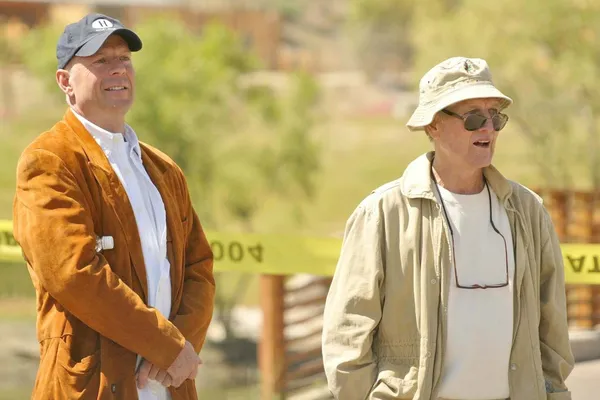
x=92, y=314
x=385, y=316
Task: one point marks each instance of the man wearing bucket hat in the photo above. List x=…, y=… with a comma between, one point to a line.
x=450, y=281
x=117, y=255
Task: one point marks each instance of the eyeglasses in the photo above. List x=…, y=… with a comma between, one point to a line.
x=475, y=286
x=474, y=122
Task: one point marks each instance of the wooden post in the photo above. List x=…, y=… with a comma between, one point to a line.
x=580, y=231
x=557, y=208
x=271, y=356
x=557, y=205
x=596, y=239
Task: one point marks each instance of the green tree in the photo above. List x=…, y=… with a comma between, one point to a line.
x=239, y=144
x=543, y=53
x=382, y=33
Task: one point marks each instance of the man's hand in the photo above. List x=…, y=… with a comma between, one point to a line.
x=149, y=371
x=185, y=365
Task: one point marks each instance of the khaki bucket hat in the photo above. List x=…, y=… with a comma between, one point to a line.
x=451, y=81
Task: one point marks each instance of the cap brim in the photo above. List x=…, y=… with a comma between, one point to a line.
x=93, y=45
x=425, y=113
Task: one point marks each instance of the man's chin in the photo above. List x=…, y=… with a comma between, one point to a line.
x=120, y=106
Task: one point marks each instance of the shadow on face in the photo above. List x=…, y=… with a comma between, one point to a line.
x=100, y=86
x=459, y=146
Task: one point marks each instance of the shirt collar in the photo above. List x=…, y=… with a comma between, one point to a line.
x=417, y=181
x=109, y=141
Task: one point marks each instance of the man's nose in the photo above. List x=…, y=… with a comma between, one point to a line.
x=488, y=126
x=117, y=67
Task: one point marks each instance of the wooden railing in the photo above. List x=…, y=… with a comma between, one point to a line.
x=576, y=218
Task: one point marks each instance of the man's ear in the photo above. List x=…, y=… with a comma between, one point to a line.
x=63, y=80
x=434, y=128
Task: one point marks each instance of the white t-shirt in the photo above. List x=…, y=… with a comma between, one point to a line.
x=480, y=321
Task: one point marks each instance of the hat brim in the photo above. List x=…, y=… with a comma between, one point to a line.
x=93, y=45
x=425, y=113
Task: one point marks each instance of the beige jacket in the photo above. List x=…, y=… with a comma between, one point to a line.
x=385, y=316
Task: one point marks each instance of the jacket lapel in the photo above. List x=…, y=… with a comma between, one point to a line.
x=174, y=227
x=115, y=194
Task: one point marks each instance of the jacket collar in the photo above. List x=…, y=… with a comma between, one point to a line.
x=417, y=182
x=107, y=140
x=116, y=195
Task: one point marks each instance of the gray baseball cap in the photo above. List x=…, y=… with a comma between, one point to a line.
x=85, y=37
x=451, y=81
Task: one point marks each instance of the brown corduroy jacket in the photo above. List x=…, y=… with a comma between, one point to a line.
x=93, y=317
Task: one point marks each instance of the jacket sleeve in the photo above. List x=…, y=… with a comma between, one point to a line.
x=196, y=308
x=353, y=307
x=54, y=227
x=557, y=358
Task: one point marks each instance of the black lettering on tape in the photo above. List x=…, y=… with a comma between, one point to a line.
x=217, y=249
x=236, y=251
x=576, y=263
x=256, y=252
x=8, y=239
x=596, y=268
x=12, y=240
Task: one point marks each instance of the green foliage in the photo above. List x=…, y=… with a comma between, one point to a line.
x=543, y=53
x=9, y=53
x=382, y=33
x=38, y=53
x=238, y=144
x=290, y=9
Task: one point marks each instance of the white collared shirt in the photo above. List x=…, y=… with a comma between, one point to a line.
x=125, y=157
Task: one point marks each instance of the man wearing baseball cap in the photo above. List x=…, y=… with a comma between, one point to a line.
x=450, y=282
x=117, y=255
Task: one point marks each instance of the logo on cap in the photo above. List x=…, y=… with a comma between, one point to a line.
x=469, y=66
x=101, y=24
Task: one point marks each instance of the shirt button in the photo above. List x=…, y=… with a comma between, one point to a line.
x=428, y=354
x=513, y=366
x=113, y=388
x=433, y=281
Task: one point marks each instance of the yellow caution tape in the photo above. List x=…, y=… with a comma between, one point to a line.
x=274, y=254
x=9, y=249
x=582, y=263
x=287, y=255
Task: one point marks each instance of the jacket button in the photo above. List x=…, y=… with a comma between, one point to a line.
x=513, y=366
x=433, y=281
x=113, y=388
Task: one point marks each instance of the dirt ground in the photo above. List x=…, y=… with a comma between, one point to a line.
x=229, y=371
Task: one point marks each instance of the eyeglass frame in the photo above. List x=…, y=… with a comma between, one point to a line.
x=475, y=286
x=465, y=116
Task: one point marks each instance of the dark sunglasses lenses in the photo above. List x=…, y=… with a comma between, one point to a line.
x=474, y=122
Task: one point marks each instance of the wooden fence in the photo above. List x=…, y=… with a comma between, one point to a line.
x=576, y=218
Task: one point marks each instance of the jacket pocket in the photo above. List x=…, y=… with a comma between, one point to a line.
x=77, y=379
x=395, y=382
x=559, y=396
